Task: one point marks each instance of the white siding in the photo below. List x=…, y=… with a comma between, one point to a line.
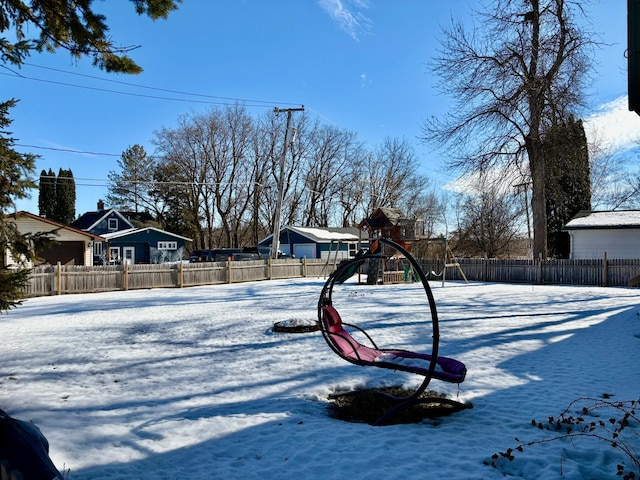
x=618, y=243
x=31, y=225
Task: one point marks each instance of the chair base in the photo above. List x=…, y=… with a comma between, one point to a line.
x=391, y=405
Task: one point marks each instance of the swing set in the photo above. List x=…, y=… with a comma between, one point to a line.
x=449, y=260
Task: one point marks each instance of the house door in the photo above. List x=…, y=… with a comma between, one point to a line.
x=114, y=256
x=129, y=255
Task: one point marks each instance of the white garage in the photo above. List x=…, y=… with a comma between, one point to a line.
x=616, y=233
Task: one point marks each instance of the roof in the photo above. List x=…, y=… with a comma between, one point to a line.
x=134, y=231
x=89, y=220
x=319, y=234
x=141, y=217
x=383, y=217
x=93, y=236
x=604, y=220
x=322, y=234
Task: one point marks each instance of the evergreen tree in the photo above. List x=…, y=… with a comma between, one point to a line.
x=72, y=26
x=47, y=194
x=131, y=188
x=568, y=187
x=65, y=204
x=16, y=170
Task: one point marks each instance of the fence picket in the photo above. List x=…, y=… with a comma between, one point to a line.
x=610, y=272
x=63, y=279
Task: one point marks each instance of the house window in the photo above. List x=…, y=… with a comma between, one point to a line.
x=113, y=224
x=97, y=248
x=167, y=245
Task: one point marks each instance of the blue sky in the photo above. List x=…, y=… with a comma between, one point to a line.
x=356, y=64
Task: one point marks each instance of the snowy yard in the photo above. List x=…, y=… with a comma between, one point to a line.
x=194, y=384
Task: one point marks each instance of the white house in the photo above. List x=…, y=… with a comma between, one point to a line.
x=70, y=247
x=593, y=233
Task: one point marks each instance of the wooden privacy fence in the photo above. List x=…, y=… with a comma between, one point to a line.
x=599, y=272
x=64, y=279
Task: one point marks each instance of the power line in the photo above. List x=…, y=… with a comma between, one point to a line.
x=219, y=100
x=105, y=182
x=141, y=95
x=179, y=92
x=68, y=150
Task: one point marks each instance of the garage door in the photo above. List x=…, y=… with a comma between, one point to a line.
x=67, y=253
x=307, y=250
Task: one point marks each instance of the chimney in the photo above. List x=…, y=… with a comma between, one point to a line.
x=100, y=205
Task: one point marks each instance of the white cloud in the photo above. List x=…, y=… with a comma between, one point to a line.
x=348, y=15
x=611, y=129
x=500, y=180
x=613, y=126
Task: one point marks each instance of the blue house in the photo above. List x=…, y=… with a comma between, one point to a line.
x=144, y=245
x=317, y=242
x=124, y=242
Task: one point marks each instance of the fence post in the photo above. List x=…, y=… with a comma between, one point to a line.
x=125, y=276
x=304, y=267
x=605, y=271
x=485, y=268
x=180, y=275
x=270, y=268
x=229, y=273
x=539, y=270
x=59, y=278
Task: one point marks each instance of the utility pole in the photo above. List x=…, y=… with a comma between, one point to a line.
x=275, y=241
x=525, y=186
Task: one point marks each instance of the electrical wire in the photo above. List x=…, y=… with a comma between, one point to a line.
x=69, y=150
x=179, y=92
x=216, y=100
x=140, y=95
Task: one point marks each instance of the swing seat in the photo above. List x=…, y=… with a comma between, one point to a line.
x=342, y=342
x=446, y=369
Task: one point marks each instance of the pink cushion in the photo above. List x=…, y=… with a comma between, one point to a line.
x=332, y=319
x=448, y=369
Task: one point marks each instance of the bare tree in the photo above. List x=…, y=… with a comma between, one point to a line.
x=614, y=185
x=211, y=155
x=182, y=154
x=488, y=224
x=389, y=174
x=326, y=167
x=274, y=127
x=352, y=188
x=217, y=175
x=521, y=69
x=265, y=152
x=230, y=133
x=634, y=187
x=427, y=206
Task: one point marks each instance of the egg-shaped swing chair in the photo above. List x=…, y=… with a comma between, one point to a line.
x=339, y=337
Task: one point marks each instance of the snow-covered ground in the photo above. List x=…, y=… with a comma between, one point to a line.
x=194, y=384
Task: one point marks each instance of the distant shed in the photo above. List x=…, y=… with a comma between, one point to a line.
x=317, y=242
x=615, y=232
